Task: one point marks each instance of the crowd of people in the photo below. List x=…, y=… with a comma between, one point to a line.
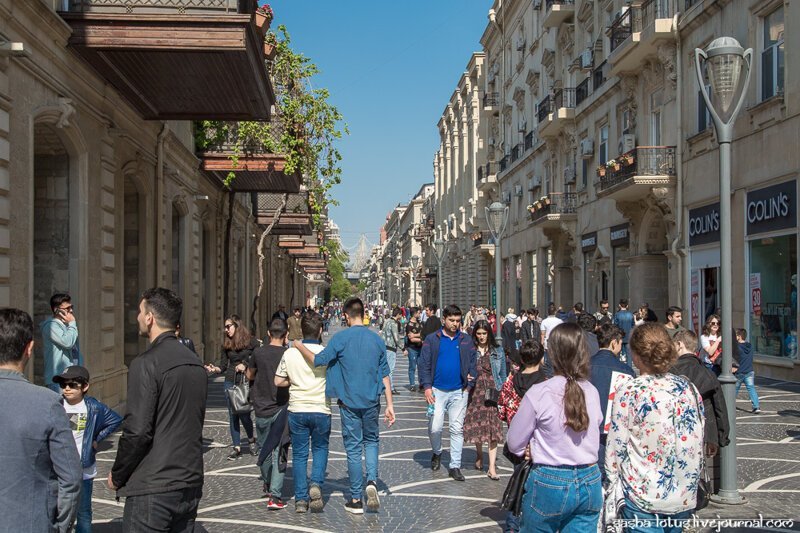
x=592, y=406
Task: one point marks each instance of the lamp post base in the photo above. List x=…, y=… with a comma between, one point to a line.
x=728, y=499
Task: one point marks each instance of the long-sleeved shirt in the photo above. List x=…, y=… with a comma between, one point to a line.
x=60, y=347
x=540, y=421
x=42, y=471
x=655, y=443
x=356, y=360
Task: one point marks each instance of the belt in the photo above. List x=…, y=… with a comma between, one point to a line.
x=564, y=467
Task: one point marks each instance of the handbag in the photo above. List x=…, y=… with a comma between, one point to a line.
x=239, y=395
x=611, y=515
x=490, y=395
x=512, y=496
x=703, y=488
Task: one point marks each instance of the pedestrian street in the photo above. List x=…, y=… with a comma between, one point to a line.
x=413, y=498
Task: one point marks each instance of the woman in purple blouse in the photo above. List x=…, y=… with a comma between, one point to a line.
x=561, y=419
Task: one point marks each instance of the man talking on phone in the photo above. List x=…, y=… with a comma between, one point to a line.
x=60, y=339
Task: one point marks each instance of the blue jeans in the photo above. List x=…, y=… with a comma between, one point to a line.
x=512, y=523
x=454, y=402
x=499, y=371
x=749, y=381
x=233, y=420
x=360, y=433
x=271, y=475
x=413, y=356
x=646, y=522
x=84, y=524
x=566, y=499
x=317, y=427
x=391, y=360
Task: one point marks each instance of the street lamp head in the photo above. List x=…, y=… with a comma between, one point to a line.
x=438, y=249
x=496, y=218
x=727, y=66
x=414, y=261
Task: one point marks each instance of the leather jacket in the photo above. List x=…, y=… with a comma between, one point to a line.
x=101, y=421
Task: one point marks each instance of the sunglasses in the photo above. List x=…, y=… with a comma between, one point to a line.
x=714, y=323
x=71, y=385
x=68, y=308
x=229, y=326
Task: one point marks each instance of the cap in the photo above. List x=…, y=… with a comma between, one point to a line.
x=72, y=373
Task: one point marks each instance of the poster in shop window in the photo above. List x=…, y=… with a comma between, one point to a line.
x=755, y=293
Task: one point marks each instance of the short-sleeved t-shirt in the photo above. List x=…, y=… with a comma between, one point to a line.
x=78, y=417
x=415, y=328
x=307, y=383
x=548, y=325
x=266, y=397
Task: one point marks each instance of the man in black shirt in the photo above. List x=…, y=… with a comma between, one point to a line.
x=413, y=346
x=268, y=401
x=432, y=324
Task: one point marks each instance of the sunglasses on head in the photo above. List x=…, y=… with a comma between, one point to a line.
x=70, y=385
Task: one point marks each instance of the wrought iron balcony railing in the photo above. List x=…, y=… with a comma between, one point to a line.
x=172, y=7
x=623, y=26
x=491, y=100
x=515, y=152
x=644, y=161
x=504, y=163
x=656, y=9
x=224, y=137
x=528, y=140
x=599, y=75
x=543, y=109
x=564, y=98
x=550, y=3
x=582, y=92
x=556, y=203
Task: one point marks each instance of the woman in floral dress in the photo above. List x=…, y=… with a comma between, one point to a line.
x=481, y=423
x=655, y=444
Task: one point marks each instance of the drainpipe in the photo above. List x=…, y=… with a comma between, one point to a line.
x=159, y=200
x=678, y=163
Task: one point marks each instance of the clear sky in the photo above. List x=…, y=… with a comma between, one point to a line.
x=391, y=68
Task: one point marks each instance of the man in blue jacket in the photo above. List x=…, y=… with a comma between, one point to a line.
x=447, y=371
x=624, y=319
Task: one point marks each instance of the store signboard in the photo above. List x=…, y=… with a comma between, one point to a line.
x=620, y=235
x=704, y=224
x=589, y=241
x=695, y=300
x=772, y=208
x=755, y=293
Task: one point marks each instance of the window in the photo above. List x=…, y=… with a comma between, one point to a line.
x=584, y=172
x=602, y=148
x=772, y=56
x=534, y=279
x=656, y=101
x=703, y=114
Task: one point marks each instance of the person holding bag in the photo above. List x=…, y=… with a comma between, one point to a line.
x=560, y=419
x=481, y=423
x=237, y=348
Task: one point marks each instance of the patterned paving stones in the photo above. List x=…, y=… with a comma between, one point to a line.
x=415, y=499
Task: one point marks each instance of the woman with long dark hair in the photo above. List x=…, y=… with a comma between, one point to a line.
x=560, y=419
x=711, y=342
x=481, y=423
x=237, y=347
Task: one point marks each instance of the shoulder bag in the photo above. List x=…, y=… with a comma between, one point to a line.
x=490, y=394
x=239, y=395
x=512, y=497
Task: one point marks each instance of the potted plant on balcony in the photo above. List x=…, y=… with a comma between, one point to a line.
x=264, y=16
x=626, y=159
x=613, y=165
x=601, y=171
x=270, y=49
x=545, y=201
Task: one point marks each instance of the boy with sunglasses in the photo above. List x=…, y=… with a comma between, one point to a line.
x=91, y=422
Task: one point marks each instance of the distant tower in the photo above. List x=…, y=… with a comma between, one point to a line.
x=361, y=257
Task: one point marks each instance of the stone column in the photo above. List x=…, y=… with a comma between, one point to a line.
x=5, y=151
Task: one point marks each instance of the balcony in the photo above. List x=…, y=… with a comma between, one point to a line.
x=294, y=220
x=636, y=35
x=504, y=162
x=561, y=113
x=255, y=165
x=558, y=12
x=582, y=92
x=516, y=152
x=177, y=59
x=528, y=141
x=543, y=109
x=491, y=101
x=557, y=207
x=483, y=241
x=648, y=166
x=599, y=76
x=488, y=177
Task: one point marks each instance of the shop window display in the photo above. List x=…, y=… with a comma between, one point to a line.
x=773, y=296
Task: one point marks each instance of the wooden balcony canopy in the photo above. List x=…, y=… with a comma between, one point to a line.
x=177, y=59
x=308, y=251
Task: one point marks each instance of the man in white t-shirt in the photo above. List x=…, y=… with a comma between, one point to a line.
x=549, y=323
x=309, y=415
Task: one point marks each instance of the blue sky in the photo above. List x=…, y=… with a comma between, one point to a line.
x=391, y=68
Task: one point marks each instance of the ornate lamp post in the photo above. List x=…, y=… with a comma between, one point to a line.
x=496, y=218
x=727, y=66
x=414, y=265
x=439, y=248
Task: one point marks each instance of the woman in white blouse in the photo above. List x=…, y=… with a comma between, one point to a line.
x=655, y=443
x=711, y=342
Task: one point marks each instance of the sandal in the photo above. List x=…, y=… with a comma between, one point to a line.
x=493, y=477
x=478, y=465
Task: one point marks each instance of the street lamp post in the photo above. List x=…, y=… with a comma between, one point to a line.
x=439, y=247
x=727, y=66
x=414, y=264
x=496, y=218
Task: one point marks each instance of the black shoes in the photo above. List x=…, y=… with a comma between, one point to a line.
x=355, y=507
x=456, y=474
x=373, y=502
x=394, y=391
x=253, y=448
x=436, y=462
x=413, y=388
x=235, y=454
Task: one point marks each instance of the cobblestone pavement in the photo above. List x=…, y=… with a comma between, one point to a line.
x=413, y=498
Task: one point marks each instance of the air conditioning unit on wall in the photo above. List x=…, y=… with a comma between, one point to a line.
x=586, y=59
x=534, y=183
x=518, y=191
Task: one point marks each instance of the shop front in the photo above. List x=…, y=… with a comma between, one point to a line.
x=620, y=254
x=596, y=277
x=771, y=250
x=703, y=229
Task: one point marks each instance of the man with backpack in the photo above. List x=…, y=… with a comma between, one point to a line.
x=391, y=336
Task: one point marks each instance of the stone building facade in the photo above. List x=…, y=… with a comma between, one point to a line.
x=100, y=203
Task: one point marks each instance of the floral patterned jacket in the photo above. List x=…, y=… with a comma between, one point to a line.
x=655, y=443
x=509, y=400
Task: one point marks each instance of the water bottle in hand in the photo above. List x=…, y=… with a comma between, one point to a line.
x=431, y=408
